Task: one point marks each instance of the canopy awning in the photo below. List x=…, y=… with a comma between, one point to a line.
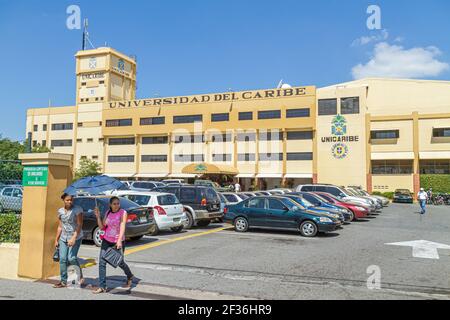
x=182, y=175
x=151, y=175
x=298, y=175
x=209, y=168
x=392, y=155
x=269, y=175
x=245, y=175
x=120, y=175
x=434, y=155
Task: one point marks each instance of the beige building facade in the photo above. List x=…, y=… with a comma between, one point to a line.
x=380, y=134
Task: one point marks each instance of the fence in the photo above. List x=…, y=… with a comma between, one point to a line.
x=11, y=191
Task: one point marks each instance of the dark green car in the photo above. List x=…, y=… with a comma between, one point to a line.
x=278, y=213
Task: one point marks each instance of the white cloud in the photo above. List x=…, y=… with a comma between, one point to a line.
x=394, y=61
x=383, y=35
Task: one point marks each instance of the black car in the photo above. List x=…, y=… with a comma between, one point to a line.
x=139, y=223
x=403, y=195
x=202, y=204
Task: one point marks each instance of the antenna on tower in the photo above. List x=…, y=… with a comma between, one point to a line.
x=86, y=35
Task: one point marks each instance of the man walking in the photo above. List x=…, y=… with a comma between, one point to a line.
x=422, y=197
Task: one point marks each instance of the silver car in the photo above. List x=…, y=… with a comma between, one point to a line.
x=11, y=198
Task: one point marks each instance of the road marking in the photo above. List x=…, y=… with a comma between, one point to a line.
x=159, y=243
x=422, y=248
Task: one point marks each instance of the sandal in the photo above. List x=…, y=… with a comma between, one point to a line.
x=99, y=290
x=82, y=283
x=129, y=282
x=60, y=285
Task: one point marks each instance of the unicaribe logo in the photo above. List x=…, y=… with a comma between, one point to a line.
x=339, y=137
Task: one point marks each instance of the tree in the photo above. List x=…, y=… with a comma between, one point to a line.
x=87, y=168
x=40, y=149
x=10, y=166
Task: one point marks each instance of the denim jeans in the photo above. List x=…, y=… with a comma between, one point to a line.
x=102, y=264
x=422, y=205
x=68, y=256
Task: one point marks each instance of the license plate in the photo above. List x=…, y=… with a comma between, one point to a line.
x=142, y=219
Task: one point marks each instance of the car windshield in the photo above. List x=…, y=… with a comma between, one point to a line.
x=302, y=201
x=350, y=192
x=139, y=199
x=167, y=199
x=323, y=199
x=403, y=191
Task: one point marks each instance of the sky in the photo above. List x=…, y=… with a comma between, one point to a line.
x=200, y=46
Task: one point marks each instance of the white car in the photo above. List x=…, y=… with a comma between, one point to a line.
x=280, y=190
x=232, y=198
x=168, y=212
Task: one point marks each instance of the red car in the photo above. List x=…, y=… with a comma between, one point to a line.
x=358, y=210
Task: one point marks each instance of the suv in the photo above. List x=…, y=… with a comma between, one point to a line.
x=145, y=185
x=202, y=204
x=11, y=198
x=337, y=192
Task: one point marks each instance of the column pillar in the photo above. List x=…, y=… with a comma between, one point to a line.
x=45, y=177
x=416, y=175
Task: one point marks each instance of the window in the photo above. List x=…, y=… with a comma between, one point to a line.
x=7, y=192
x=299, y=135
x=44, y=127
x=120, y=158
x=95, y=157
x=392, y=167
x=441, y=132
x=143, y=185
x=270, y=156
x=189, y=158
x=119, y=123
x=271, y=135
x=258, y=203
x=154, y=158
x=297, y=113
x=299, y=156
x=225, y=137
x=83, y=157
x=231, y=197
x=152, y=121
x=188, y=195
x=155, y=140
x=34, y=143
x=276, y=205
x=101, y=139
x=327, y=107
x=350, y=105
x=80, y=124
x=384, y=134
x=188, y=119
x=139, y=199
x=101, y=82
x=190, y=139
x=221, y=157
x=121, y=141
x=435, y=166
x=246, y=136
x=270, y=114
x=62, y=126
x=79, y=140
x=167, y=200
x=61, y=143
x=35, y=128
x=215, y=117
x=44, y=143
x=246, y=157
x=245, y=115
x=90, y=140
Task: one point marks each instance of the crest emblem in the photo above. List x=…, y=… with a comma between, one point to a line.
x=339, y=150
x=200, y=168
x=92, y=63
x=338, y=126
x=121, y=65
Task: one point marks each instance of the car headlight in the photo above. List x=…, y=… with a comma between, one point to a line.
x=325, y=219
x=361, y=208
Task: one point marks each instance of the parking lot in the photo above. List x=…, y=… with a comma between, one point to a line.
x=283, y=265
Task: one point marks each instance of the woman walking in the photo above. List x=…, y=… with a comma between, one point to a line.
x=68, y=238
x=114, y=226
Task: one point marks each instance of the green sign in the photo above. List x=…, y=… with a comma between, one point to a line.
x=35, y=176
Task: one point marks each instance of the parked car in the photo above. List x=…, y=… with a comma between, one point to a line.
x=337, y=192
x=319, y=202
x=317, y=209
x=174, y=181
x=11, y=198
x=249, y=194
x=262, y=193
x=358, y=210
x=202, y=204
x=126, y=182
x=233, y=198
x=281, y=190
x=377, y=202
x=168, y=212
x=384, y=201
x=140, y=220
x=403, y=195
x=145, y=185
x=276, y=212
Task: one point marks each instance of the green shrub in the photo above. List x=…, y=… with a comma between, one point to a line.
x=439, y=182
x=9, y=227
x=389, y=195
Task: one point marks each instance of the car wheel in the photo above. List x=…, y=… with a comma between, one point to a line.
x=177, y=229
x=136, y=238
x=352, y=216
x=154, y=230
x=240, y=224
x=96, y=237
x=308, y=229
x=190, y=220
x=203, y=223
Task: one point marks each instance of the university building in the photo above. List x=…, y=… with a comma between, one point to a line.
x=380, y=134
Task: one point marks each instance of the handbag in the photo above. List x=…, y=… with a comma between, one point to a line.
x=113, y=256
x=56, y=254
